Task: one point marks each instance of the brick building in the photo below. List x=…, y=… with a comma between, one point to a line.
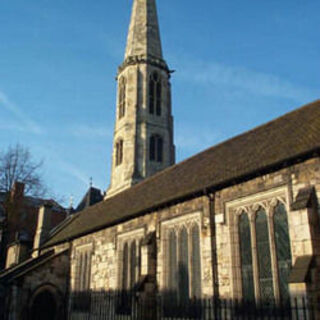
x=18, y=223
x=239, y=221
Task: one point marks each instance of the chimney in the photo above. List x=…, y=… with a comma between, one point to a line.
x=43, y=227
x=17, y=191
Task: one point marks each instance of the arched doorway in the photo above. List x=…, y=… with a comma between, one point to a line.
x=45, y=304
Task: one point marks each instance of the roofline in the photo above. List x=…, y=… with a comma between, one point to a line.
x=29, y=264
x=285, y=163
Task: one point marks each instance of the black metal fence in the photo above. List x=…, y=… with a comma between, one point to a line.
x=130, y=306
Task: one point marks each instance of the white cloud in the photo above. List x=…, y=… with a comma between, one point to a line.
x=212, y=73
x=27, y=123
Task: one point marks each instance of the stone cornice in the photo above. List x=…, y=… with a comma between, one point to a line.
x=143, y=59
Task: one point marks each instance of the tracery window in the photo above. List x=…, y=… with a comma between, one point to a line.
x=129, y=258
x=264, y=256
x=262, y=226
x=130, y=266
x=122, y=97
x=119, y=152
x=195, y=262
x=83, y=271
x=183, y=264
x=183, y=267
x=246, y=258
x=282, y=240
x=156, y=148
x=155, y=94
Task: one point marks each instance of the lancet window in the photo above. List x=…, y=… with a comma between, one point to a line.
x=130, y=265
x=130, y=260
x=183, y=264
x=156, y=148
x=155, y=94
x=283, y=250
x=261, y=228
x=83, y=271
x=119, y=152
x=122, y=97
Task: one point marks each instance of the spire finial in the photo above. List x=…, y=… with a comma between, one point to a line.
x=71, y=201
x=91, y=183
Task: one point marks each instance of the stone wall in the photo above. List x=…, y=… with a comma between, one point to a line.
x=283, y=184
x=51, y=274
x=265, y=190
x=106, y=245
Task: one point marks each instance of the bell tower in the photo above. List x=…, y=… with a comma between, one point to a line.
x=143, y=134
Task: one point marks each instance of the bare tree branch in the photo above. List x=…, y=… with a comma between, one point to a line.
x=16, y=164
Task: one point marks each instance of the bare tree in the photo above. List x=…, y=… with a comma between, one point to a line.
x=17, y=164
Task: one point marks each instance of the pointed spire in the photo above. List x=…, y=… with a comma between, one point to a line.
x=144, y=35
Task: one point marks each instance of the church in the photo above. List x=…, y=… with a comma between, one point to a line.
x=237, y=223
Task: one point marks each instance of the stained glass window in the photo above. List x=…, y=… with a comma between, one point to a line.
x=246, y=258
x=195, y=263
x=183, y=268
x=125, y=266
x=283, y=249
x=264, y=257
x=132, y=265
x=84, y=273
x=172, y=267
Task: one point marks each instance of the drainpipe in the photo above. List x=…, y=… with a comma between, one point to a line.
x=211, y=205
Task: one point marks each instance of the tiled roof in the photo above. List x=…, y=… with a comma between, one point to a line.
x=280, y=142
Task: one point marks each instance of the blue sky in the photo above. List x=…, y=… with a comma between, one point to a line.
x=238, y=64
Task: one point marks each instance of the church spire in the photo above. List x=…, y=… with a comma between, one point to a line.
x=144, y=35
x=143, y=133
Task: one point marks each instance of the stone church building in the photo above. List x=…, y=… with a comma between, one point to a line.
x=239, y=221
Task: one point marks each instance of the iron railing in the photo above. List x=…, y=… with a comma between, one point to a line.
x=101, y=305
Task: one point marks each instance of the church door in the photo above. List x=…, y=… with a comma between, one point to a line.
x=44, y=306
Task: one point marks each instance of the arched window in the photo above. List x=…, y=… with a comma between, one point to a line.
x=125, y=262
x=183, y=267
x=195, y=263
x=122, y=97
x=246, y=258
x=119, y=152
x=155, y=94
x=156, y=148
x=283, y=248
x=264, y=257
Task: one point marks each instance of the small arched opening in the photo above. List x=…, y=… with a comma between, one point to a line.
x=46, y=303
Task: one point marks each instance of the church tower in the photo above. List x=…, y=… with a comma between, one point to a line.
x=143, y=134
